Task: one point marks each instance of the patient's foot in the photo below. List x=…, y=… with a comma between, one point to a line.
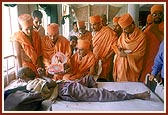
x=144, y=95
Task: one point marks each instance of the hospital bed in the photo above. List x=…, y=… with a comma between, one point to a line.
x=153, y=104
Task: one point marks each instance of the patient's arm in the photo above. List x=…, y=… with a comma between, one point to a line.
x=50, y=83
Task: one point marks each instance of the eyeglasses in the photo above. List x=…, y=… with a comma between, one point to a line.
x=157, y=14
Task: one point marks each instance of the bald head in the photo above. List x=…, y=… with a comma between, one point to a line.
x=26, y=73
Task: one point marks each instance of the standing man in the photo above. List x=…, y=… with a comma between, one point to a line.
x=158, y=64
x=74, y=31
x=73, y=44
x=53, y=43
x=27, y=44
x=103, y=39
x=154, y=36
x=83, y=33
x=37, y=20
x=131, y=47
x=82, y=62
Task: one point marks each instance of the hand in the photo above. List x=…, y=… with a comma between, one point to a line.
x=41, y=71
x=122, y=53
x=20, y=81
x=151, y=77
x=67, y=68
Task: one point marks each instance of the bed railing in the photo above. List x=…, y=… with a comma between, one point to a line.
x=9, y=65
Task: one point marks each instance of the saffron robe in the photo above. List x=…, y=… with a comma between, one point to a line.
x=49, y=48
x=103, y=41
x=81, y=67
x=152, y=48
x=30, y=51
x=129, y=68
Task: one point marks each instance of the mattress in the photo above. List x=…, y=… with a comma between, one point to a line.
x=153, y=104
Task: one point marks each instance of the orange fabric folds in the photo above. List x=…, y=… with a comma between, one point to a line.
x=102, y=46
x=129, y=68
x=29, y=53
x=80, y=67
x=49, y=48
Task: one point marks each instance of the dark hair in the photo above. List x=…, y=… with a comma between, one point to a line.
x=74, y=23
x=73, y=38
x=104, y=16
x=26, y=71
x=37, y=13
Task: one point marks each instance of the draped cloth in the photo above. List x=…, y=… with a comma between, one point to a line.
x=30, y=51
x=129, y=68
x=151, y=50
x=80, y=67
x=102, y=46
x=49, y=48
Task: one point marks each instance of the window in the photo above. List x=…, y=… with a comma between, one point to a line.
x=45, y=19
x=65, y=27
x=9, y=27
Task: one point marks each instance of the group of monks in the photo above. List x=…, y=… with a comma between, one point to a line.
x=125, y=51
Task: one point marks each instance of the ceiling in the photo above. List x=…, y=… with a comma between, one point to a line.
x=143, y=7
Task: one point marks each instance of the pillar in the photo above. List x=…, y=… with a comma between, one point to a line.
x=133, y=9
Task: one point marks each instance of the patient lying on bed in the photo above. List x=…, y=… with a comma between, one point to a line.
x=84, y=89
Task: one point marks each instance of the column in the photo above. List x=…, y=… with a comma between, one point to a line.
x=133, y=9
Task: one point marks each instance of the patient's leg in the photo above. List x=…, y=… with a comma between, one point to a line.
x=74, y=91
x=88, y=81
x=143, y=95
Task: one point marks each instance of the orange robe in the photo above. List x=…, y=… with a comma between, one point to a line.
x=49, y=48
x=129, y=68
x=30, y=51
x=80, y=67
x=152, y=48
x=102, y=46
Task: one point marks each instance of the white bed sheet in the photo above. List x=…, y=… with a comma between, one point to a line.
x=154, y=104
